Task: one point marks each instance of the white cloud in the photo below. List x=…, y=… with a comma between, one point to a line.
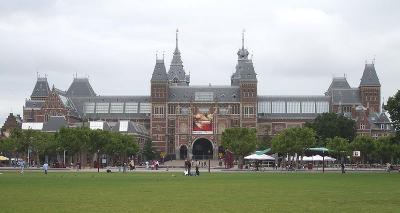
x=297, y=45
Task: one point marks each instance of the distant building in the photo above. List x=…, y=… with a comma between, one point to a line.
x=11, y=123
x=187, y=121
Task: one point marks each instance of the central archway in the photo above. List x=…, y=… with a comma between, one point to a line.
x=202, y=149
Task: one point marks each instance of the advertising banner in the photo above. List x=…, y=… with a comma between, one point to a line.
x=202, y=123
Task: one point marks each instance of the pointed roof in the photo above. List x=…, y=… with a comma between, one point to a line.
x=244, y=68
x=338, y=83
x=176, y=73
x=159, y=73
x=369, y=77
x=41, y=89
x=80, y=87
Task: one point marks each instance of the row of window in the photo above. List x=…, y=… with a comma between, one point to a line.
x=293, y=107
x=128, y=107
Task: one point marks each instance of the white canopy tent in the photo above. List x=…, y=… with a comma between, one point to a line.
x=318, y=158
x=259, y=157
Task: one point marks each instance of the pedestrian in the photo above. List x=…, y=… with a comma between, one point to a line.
x=342, y=166
x=197, y=170
x=189, y=166
x=124, y=168
x=45, y=167
x=21, y=166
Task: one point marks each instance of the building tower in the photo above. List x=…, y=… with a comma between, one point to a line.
x=158, y=99
x=41, y=90
x=246, y=78
x=370, y=89
x=176, y=73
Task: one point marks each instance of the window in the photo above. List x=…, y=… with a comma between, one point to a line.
x=362, y=126
x=117, y=108
x=346, y=108
x=382, y=126
x=322, y=107
x=308, y=107
x=145, y=108
x=264, y=107
x=293, y=107
x=131, y=107
x=248, y=111
x=102, y=107
x=88, y=107
x=204, y=96
x=171, y=109
x=235, y=109
x=278, y=107
x=158, y=111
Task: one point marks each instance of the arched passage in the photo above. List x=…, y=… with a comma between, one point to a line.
x=202, y=149
x=183, y=152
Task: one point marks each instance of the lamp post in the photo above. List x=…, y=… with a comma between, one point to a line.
x=209, y=161
x=64, y=157
x=98, y=160
x=323, y=161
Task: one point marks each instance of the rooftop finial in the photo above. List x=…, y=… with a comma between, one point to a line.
x=176, y=37
x=243, y=38
x=373, y=60
x=163, y=55
x=156, y=55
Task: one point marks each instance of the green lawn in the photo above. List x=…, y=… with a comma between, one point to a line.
x=216, y=192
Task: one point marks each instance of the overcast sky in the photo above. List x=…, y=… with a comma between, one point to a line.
x=297, y=46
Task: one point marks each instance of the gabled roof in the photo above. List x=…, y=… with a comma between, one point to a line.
x=338, y=83
x=80, y=87
x=159, y=73
x=33, y=104
x=369, y=77
x=41, y=89
x=54, y=124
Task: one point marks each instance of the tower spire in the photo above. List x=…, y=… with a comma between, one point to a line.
x=243, y=38
x=176, y=38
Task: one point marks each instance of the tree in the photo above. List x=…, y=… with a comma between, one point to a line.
x=241, y=141
x=364, y=144
x=294, y=141
x=330, y=125
x=148, y=151
x=393, y=108
x=264, y=142
x=338, y=146
x=385, y=149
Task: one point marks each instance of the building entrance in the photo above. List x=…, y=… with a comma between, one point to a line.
x=202, y=149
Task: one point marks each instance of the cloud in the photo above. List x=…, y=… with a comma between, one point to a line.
x=297, y=45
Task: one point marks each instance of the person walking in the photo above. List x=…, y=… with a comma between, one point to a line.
x=45, y=167
x=189, y=166
x=21, y=166
x=342, y=166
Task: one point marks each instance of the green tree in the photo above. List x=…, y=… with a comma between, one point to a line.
x=393, y=108
x=364, y=144
x=385, y=148
x=148, y=151
x=264, y=142
x=294, y=141
x=338, y=146
x=330, y=125
x=241, y=141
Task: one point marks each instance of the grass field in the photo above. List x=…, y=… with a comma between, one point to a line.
x=215, y=192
